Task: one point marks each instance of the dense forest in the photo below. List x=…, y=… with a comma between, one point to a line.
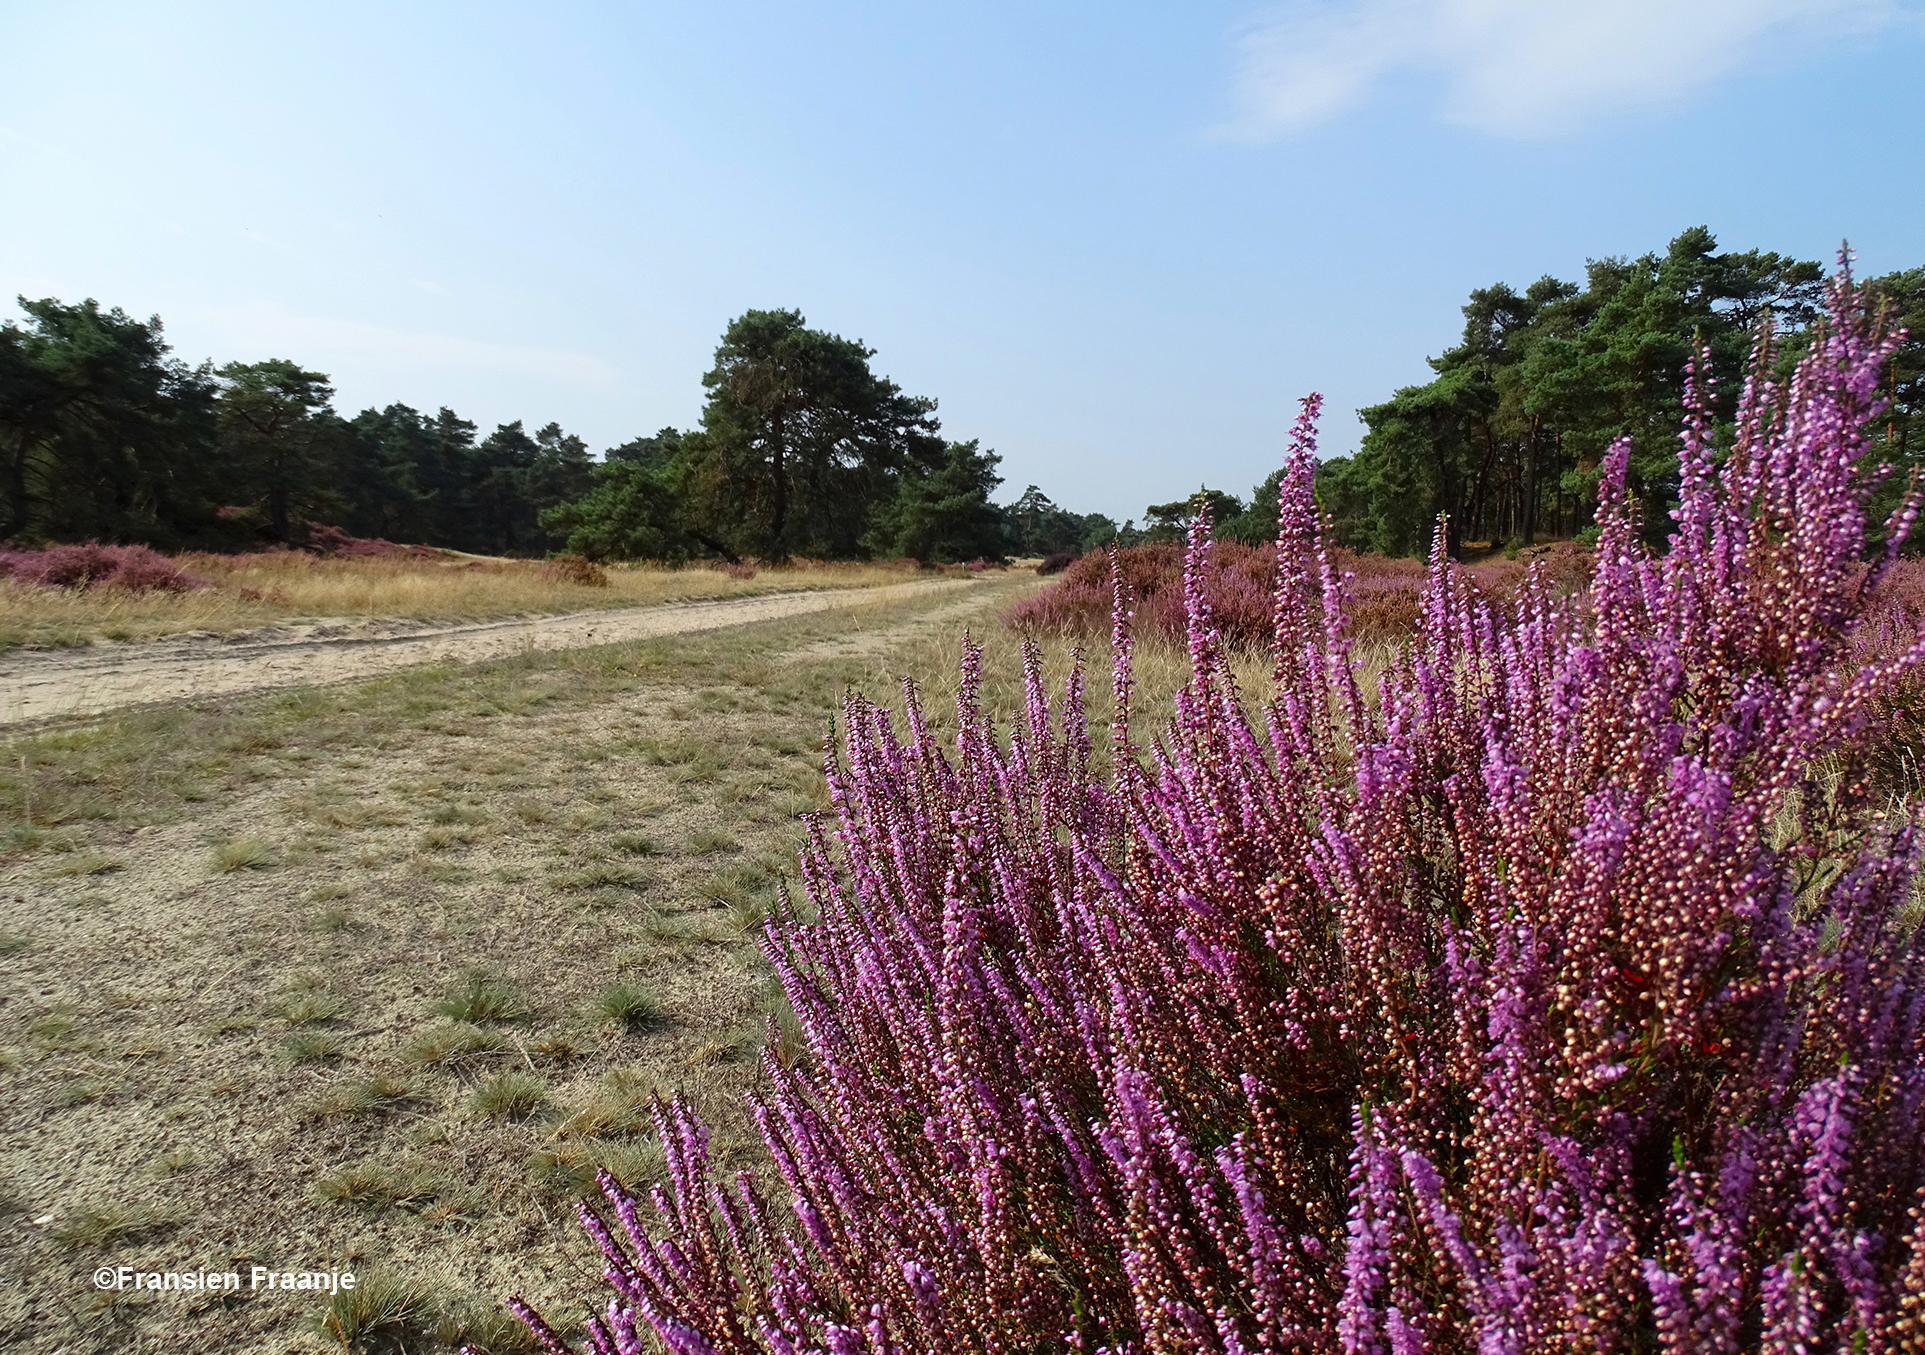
x=1508, y=437
x=803, y=449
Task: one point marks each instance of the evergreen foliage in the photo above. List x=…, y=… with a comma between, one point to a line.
x=1508, y=439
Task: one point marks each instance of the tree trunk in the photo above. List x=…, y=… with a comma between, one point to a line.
x=779, y=500
x=1527, y=496
x=17, y=487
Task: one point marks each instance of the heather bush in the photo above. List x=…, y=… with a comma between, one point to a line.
x=1567, y=995
x=321, y=538
x=135, y=569
x=1240, y=580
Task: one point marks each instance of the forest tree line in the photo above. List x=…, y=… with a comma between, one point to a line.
x=803, y=449
x=1509, y=436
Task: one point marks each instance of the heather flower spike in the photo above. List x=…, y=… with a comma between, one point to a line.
x=1557, y=993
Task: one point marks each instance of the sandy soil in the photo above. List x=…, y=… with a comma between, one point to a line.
x=153, y=981
x=38, y=686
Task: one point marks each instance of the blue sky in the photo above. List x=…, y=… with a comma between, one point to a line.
x=1116, y=241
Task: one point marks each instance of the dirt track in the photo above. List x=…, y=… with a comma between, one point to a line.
x=38, y=686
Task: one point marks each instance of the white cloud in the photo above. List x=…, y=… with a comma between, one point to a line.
x=1519, y=67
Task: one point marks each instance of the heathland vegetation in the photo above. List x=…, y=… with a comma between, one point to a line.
x=1556, y=984
x=1522, y=955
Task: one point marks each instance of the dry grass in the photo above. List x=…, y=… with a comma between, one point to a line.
x=263, y=590
x=391, y=1055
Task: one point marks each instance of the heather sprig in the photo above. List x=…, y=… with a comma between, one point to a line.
x=1555, y=995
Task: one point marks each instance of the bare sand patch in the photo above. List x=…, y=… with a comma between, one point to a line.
x=50, y=685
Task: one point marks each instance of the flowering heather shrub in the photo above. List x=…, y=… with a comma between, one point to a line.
x=92, y=565
x=325, y=539
x=1894, y=619
x=1569, y=997
x=1383, y=594
x=1240, y=584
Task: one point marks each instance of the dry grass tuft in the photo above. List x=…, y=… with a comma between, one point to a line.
x=361, y=1098
x=311, y=1046
x=382, y=1307
x=246, y=853
x=308, y=1008
x=483, y=997
x=455, y=1042
x=108, y=1225
x=619, y=1108
x=570, y=1167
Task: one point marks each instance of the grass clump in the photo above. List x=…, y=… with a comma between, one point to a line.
x=569, y=1167
x=311, y=1046
x=602, y=875
x=629, y=1006
x=87, y=863
x=711, y=842
x=454, y=1042
x=375, y=1185
x=245, y=853
x=484, y=1328
x=560, y=1047
x=363, y=1097
x=333, y=921
x=384, y=1309
x=109, y=1225
x=308, y=1008
x=620, y=1108
x=483, y=997
x=509, y=1096
x=170, y=1163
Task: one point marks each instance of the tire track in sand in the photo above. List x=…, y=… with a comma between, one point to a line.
x=37, y=686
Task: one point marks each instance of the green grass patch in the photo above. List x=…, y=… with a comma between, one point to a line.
x=445, y=1045
x=110, y=1225
x=245, y=853
x=509, y=1096
x=483, y=997
x=628, y=1006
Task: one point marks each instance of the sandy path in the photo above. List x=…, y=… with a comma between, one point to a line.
x=48, y=685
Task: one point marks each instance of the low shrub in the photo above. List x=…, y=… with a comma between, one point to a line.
x=1564, y=994
x=1240, y=583
x=320, y=538
x=133, y=569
